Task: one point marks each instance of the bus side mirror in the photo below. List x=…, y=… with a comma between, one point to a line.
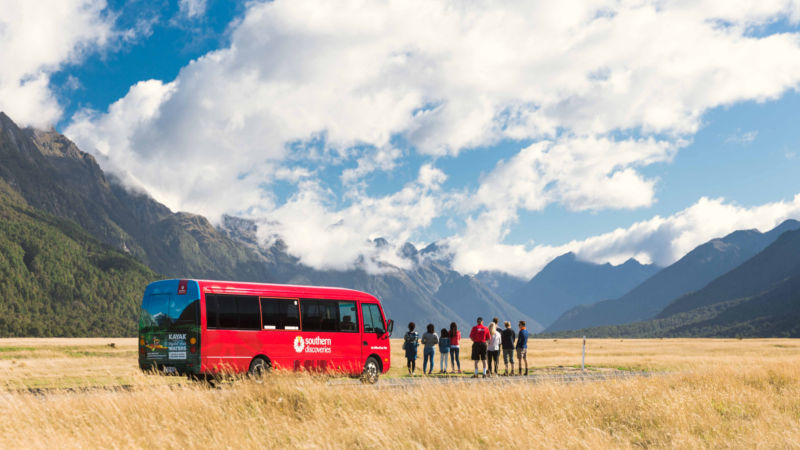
x=390, y=327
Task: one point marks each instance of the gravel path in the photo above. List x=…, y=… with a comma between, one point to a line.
x=571, y=377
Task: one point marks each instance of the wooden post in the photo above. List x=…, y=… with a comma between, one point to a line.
x=583, y=356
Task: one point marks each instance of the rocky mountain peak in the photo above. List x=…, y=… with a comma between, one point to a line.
x=54, y=144
x=409, y=251
x=244, y=230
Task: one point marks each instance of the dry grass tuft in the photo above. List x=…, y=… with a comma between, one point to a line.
x=741, y=397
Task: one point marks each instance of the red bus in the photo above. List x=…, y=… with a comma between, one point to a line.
x=203, y=327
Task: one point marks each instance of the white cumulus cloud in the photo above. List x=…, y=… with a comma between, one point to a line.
x=326, y=237
x=596, y=89
x=659, y=240
x=37, y=38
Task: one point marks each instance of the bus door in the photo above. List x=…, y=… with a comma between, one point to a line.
x=349, y=345
x=374, y=338
x=330, y=337
x=280, y=325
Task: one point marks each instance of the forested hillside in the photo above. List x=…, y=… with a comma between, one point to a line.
x=57, y=280
x=53, y=175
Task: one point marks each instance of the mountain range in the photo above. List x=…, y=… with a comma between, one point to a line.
x=690, y=273
x=430, y=292
x=567, y=282
x=759, y=298
x=52, y=176
x=77, y=248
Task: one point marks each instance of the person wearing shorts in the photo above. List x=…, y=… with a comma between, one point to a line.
x=522, y=347
x=479, y=336
x=507, y=338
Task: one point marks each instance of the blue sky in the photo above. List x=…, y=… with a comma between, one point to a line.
x=171, y=41
x=508, y=135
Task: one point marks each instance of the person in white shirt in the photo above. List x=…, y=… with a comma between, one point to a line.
x=493, y=351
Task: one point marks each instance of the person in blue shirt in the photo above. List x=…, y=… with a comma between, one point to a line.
x=410, y=344
x=444, y=350
x=522, y=347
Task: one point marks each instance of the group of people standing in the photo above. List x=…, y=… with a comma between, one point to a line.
x=449, y=342
x=486, y=345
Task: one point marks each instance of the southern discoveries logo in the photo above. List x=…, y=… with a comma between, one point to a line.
x=299, y=344
x=312, y=345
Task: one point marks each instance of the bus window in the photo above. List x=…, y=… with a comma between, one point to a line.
x=373, y=321
x=183, y=310
x=228, y=320
x=247, y=310
x=212, y=312
x=279, y=314
x=232, y=312
x=319, y=315
x=154, y=312
x=347, y=317
x=187, y=313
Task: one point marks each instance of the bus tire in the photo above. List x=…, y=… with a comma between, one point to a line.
x=259, y=367
x=371, y=371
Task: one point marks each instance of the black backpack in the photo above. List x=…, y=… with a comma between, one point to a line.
x=409, y=340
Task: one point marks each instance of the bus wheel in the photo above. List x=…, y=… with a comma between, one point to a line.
x=259, y=368
x=371, y=371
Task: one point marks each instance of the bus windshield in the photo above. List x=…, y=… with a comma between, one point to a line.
x=168, y=312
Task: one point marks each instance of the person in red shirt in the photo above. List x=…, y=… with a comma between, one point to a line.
x=455, y=347
x=479, y=336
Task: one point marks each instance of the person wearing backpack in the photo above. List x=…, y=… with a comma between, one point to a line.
x=410, y=344
x=444, y=350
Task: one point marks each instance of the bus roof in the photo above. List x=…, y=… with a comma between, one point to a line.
x=236, y=287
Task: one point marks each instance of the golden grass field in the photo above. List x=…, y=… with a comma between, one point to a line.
x=705, y=394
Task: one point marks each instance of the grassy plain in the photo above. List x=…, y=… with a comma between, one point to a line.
x=707, y=393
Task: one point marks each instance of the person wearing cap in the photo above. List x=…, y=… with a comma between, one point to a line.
x=479, y=336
